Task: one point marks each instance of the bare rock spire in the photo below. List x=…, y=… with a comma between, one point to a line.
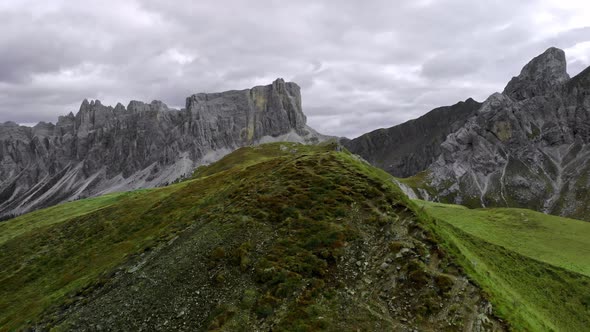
x=540, y=76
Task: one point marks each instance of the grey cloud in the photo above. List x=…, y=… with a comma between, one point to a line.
x=577, y=66
x=571, y=37
x=361, y=65
x=452, y=64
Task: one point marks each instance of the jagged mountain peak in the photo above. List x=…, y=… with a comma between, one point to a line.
x=96, y=107
x=278, y=81
x=9, y=124
x=580, y=84
x=540, y=76
x=87, y=103
x=279, y=102
x=526, y=147
x=552, y=62
x=155, y=105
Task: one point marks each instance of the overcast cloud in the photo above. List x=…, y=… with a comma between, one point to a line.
x=361, y=65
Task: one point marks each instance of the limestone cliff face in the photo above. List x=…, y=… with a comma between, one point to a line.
x=103, y=149
x=526, y=147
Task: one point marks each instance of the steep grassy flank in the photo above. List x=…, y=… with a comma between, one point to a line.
x=555, y=240
x=56, y=214
x=533, y=266
x=50, y=253
x=277, y=237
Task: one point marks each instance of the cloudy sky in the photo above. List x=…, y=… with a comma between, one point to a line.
x=362, y=65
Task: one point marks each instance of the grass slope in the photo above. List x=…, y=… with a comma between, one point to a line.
x=50, y=253
x=534, y=266
x=288, y=237
x=281, y=236
x=54, y=215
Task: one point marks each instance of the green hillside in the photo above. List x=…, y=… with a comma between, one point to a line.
x=536, y=267
x=290, y=237
x=51, y=254
x=562, y=242
x=281, y=237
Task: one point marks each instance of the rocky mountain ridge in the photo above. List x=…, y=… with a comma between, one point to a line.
x=103, y=149
x=411, y=147
x=525, y=147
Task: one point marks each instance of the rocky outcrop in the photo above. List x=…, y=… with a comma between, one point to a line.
x=543, y=75
x=411, y=147
x=525, y=147
x=103, y=149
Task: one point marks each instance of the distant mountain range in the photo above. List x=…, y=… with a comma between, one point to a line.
x=524, y=147
x=103, y=149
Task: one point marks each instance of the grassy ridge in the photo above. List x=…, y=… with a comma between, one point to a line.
x=57, y=256
x=56, y=253
x=533, y=266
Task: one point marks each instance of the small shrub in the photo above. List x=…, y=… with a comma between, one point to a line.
x=218, y=254
x=219, y=278
x=241, y=256
x=248, y=298
x=418, y=273
x=444, y=283
x=265, y=305
x=220, y=316
x=419, y=277
x=396, y=246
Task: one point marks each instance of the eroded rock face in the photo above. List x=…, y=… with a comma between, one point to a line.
x=411, y=147
x=526, y=147
x=103, y=149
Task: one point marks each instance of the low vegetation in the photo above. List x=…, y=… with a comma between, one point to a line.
x=535, y=267
x=281, y=236
x=289, y=237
